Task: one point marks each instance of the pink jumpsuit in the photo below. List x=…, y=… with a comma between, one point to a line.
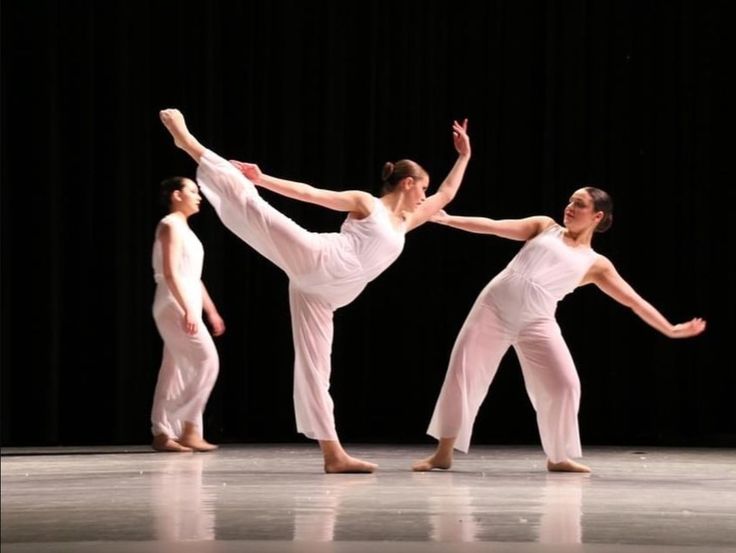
x=190, y=363
x=517, y=308
x=326, y=271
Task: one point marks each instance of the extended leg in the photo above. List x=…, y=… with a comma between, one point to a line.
x=173, y=120
x=237, y=202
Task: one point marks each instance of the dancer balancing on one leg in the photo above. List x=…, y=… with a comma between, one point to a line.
x=190, y=362
x=517, y=308
x=326, y=270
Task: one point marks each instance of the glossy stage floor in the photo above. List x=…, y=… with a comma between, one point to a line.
x=269, y=498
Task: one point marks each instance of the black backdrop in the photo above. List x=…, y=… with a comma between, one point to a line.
x=628, y=95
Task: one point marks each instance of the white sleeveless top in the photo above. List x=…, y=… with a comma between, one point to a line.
x=361, y=251
x=191, y=260
x=552, y=264
x=376, y=242
x=544, y=271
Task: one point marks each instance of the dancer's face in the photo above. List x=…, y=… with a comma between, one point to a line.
x=188, y=198
x=416, y=192
x=580, y=213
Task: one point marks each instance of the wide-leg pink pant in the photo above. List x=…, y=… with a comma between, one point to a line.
x=187, y=375
x=306, y=257
x=549, y=376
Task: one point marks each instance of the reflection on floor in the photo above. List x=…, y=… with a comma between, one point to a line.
x=271, y=498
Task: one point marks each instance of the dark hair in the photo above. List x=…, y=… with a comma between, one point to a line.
x=394, y=172
x=601, y=202
x=168, y=187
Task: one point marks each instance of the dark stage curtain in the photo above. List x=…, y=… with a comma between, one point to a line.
x=627, y=95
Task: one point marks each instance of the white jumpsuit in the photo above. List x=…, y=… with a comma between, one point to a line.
x=517, y=308
x=326, y=271
x=190, y=363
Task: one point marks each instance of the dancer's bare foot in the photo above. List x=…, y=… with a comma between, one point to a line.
x=162, y=442
x=440, y=459
x=348, y=464
x=173, y=120
x=197, y=444
x=338, y=461
x=435, y=461
x=191, y=438
x=567, y=466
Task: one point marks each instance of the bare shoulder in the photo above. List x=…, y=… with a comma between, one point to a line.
x=167, y=227
x=364, y=203
x=366, y=200
x=544, y=222
x=600, y=266
x=537, y=224
x=602, y=262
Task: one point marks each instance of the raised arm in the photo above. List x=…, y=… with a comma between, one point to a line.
x=449, y=187
x=354, y=201
x=604, y=275
x=513, y=229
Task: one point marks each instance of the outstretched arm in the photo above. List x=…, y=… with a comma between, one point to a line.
x=449, y=187
x=604, y=275
x=354, y=201
x=513, y=229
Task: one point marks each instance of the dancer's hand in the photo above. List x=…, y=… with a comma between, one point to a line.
x=460, y=137
x=251, y=171
x=217, y=324
x=190, y=324
x=440, y=217
x=691, y=328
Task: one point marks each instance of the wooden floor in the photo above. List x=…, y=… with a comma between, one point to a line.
x=270, y=498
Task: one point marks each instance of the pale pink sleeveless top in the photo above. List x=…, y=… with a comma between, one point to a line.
x=189, y=268
x=361, y=251
x=544, y=271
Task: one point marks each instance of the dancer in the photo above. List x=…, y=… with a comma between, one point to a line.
x=326, y=270
x=190, y=362
x=517, y=308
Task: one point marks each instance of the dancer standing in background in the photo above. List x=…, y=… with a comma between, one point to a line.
x=190, y=361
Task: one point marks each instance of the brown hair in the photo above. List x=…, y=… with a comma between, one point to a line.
x=601, y=202
x=168, y=187
x=394, y=172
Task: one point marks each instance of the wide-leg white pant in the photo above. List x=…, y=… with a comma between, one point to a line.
x=302, y=255
x=187, y=375
x=549, y=373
